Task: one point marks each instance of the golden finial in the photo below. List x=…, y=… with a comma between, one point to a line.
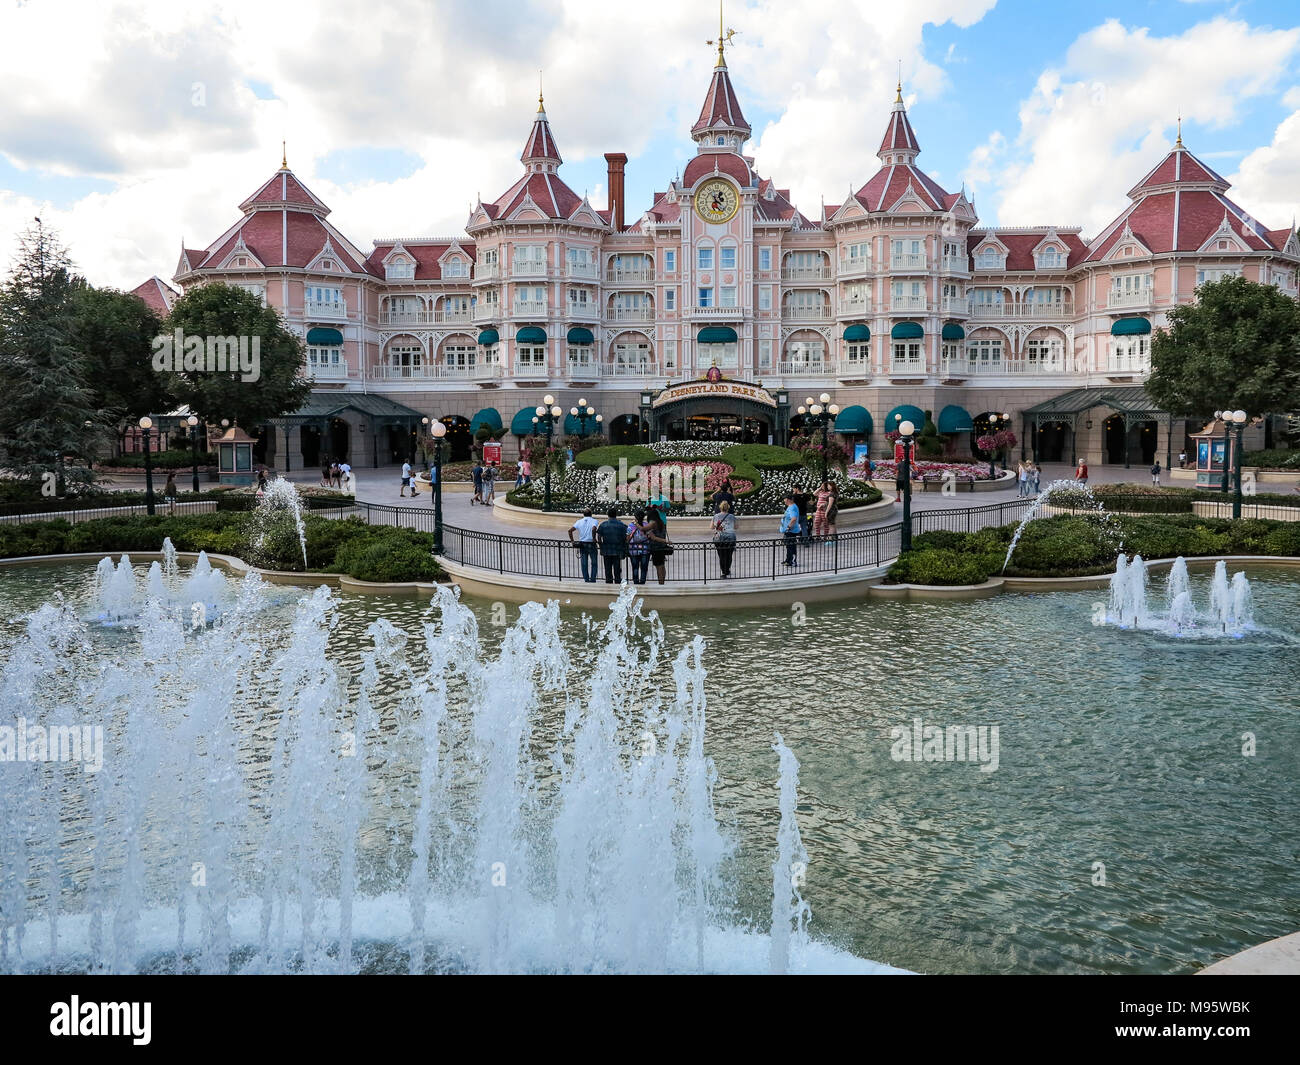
x=1179, y=142
x=724, y=38
x=898, y=98
x=541, y=108
x=284, y=157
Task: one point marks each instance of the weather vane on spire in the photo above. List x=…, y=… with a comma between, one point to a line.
x=724, y=37
x=540, y=106
x=284, y=156
x=1179, y=143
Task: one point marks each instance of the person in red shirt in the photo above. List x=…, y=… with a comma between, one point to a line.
x=1081, y=474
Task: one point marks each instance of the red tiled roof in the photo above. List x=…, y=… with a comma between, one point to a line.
x=283, y=187
x=721, y=109
x=282, y=238
x=734, y=166
x=541, y=142
x=1179, y=166
x=426, y=256
x=1199, y=213
x=1020, y=246
x=898, y=133
x=552, y=196
x=886, y=188
x=1279, y=238
x=157, y=295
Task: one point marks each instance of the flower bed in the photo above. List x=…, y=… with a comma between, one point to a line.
x=887, y=470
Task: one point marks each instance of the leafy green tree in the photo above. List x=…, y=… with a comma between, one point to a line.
x=1237, y=346
x=275, y=386
x=48, y=419
x=114, y=332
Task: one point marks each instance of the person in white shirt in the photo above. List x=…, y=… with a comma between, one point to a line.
x=406, y=480
x=585, y=527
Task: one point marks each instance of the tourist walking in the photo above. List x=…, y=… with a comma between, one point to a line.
x=345, y=477
x=1081, y=472
x=900, y=482
x=326, y=475
x=611, y=535
x=585, y=527
x=820, y=522
x=1035, y=478
x=805, y=501
x=724, y=495
x=526, y=470
x=1182, y=460
x=406, y=480
x=871, y=472
x=724, y=536
x=660, y=548
x=790, y=526
x=490, y=485
x=638, y=547
x=1155, y=474
x=477, y=474
x=336, y=475
x=169, y=493
x=1022, y=478
x=833, y=510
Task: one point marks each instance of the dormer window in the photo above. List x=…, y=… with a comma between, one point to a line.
x=455, y=268
x=241, y=261
x=400, y=270
x=327, y=264
x=1051, y=258
x=989, y=258
x=722, y=141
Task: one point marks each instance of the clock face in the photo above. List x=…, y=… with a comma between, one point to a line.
x=716, y=201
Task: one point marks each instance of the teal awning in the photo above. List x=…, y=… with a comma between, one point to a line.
x=915, y=415
x=321, y=336
x=488, y=416
x=1130, y=327
x=857, y=333
x=952, y=331
x=955, y=419
x=854, y=419
x=522, y=423
x=907, y=331
x=573, y=424
x=716, y=334
x=531, y=334
x=580, y=334
x=489, y=337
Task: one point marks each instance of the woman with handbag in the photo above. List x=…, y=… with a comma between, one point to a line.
x=724, y=536
x=660, y=547
x=638, y=546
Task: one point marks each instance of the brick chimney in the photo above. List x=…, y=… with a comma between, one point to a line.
x=616, y=161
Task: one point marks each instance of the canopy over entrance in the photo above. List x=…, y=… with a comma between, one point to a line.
x=1130, y=403
x=717, y=408
x=378, y=413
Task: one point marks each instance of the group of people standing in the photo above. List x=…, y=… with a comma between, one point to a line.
x=643, y=541
x=485, y=483
x=1028, y=478
x=334, y=474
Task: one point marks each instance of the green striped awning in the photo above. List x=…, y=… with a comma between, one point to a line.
x=489, y=337
x=907, y=331
x=854, y=419
x=323, y=337
x=580, y=334
x=909, y=413
x=522, y=423
x=955, y=419
x=531, y=334
x=716, y=334
x=952, y=331
x=1130, y=327
x=488, y=416
x=857, y=333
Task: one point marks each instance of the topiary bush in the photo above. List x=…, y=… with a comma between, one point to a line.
x=388, y=554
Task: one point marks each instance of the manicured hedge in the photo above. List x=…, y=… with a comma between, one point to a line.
x=175, y=459
x=1077, y=546
x=349, y=546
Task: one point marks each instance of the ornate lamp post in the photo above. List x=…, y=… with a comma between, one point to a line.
x=548, y=413
x=438, y=431
x=146, y=423
x=193, y=422
x=821, y=415
x=997, y=424
x=584, y=414
x=906, y=430
x=1228, y=417
x=1232, y=419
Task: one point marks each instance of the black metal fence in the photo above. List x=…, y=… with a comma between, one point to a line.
x=691, y=562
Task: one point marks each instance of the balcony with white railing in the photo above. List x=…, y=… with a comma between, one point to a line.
x=854, y=267
x=532, y=371
x=584, y=312
x=853, y=369
x=957, y=265
x=528, y=268
x=456, y=317
x=630, y=273
x=907, y=261
x=908, y=304
x=487, y=313
x=629, y=369
x=855, y=308
x=726, y=314
x=951, y=369
x=578, y=368
x=800, y=274
x=1045, y=312
x=1124, y=363
x=906, y=367
x=325, y=309
x=400, y=318
x=806, y=368
x=630, y=314
x=328, y=371
x=485, y=372
x=487, y=271
x=954, y=305
x=795, y=312
x=529, y=309
x=1130, y=300
x=584, y=271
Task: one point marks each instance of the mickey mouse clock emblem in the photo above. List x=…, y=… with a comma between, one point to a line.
x=716, y=201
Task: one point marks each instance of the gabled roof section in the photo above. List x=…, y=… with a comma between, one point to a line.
x=1180, y=167
x=283, y=189
x=721, y=110
x=428, y=253
x=890, y=185
x=157, y=295
x=899, y=136
x=540, y=146
x=1020, y=245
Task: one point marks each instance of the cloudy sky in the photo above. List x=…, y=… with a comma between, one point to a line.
x=132, y=126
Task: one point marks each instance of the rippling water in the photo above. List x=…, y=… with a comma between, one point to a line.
x=1115, y=747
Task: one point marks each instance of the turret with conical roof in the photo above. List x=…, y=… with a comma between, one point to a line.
x=540, y=155
x=721, y=125
x=899, y=145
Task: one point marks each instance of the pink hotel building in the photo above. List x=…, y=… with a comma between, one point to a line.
x=895, y=297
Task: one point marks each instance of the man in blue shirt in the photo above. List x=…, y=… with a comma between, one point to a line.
x=612, y=536
x=586, y=527
x=791, y=522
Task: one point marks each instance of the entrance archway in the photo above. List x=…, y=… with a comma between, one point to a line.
x=627, y=429
x=458, y=437
x=340, y=440
x=310, y=442
x=1114, y=439
x=1053, y=441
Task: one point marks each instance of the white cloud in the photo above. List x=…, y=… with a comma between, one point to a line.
x=1094, y=125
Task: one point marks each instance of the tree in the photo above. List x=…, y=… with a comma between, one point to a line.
x=114, y=332
x=236, y=359
x=1237, y=346
x=48, y=420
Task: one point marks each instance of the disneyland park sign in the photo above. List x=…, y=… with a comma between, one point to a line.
x=713, y=388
